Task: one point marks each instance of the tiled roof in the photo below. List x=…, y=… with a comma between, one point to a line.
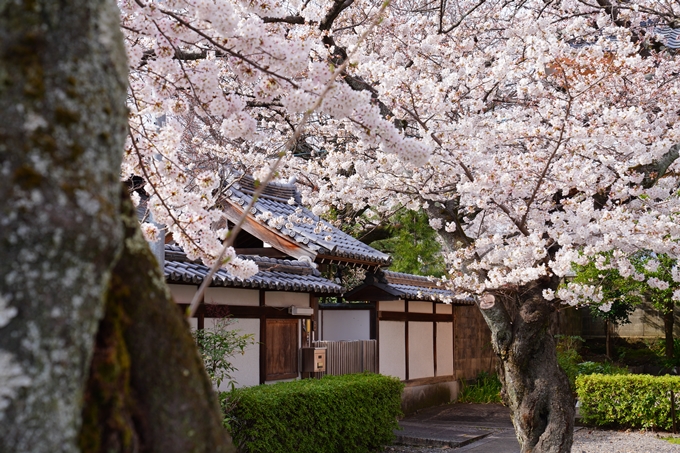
x=279, y=210
x=671, y=36
x=274, y=274
x=416, y=287
x=388, y=285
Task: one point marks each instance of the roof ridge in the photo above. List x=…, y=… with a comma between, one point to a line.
x=406, y=279
x=264, y=263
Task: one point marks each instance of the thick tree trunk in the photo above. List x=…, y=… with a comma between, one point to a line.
x=534, y=386
x=668, y=321
x=148, y=391
x=63, y=121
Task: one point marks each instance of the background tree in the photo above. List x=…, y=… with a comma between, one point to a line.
x=658, y=276
x=618, y=294
x=413, y=245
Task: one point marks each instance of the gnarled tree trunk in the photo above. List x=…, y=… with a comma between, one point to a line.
x=534, y=386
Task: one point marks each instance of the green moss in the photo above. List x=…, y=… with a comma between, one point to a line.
x=45, y=142
x=108, y=408
x=27, y=177
x=66, y=117
x=672, y=440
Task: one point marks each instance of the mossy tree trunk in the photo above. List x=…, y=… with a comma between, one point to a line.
x=534, y=386
x=149, y=391
x=63, y=123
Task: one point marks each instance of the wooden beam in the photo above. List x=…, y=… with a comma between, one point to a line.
x=200, y=314
x=434, y=339
x=415, y=317
x=377, y=337
x=271, y=236
x=249, y=312
x=348, y=306
x=263, y=339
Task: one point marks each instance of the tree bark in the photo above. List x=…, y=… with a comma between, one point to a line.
x=668, y=321
x=63, y=120
x=534, y=386
x=148, y=390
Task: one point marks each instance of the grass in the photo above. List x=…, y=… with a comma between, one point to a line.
x=486, y=389
x=672, y=440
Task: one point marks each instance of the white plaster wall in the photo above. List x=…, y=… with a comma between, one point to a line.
x=193, y=323
x=392, y=361
x=391, y=305
x=420, y=350
x=444, y=308
x=286, y=299
x=444, y=348
x=247, y=365
x=420, y=307
x=232, y=296
x=183, y=293
x=345, y=325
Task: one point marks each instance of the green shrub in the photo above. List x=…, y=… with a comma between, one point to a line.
x=349, y=413
x=568, y=361
x=600, y=368
x=635, y=401
x=487, y=389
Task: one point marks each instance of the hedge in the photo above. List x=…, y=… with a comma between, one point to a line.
x=633, y=400
x=349, y=413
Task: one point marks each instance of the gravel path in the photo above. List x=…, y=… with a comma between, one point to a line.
x=586, y=440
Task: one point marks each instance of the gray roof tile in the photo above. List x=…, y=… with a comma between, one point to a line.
x=276, y=200
x=276, y=274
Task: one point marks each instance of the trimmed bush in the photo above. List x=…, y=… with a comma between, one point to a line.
x=349, y=413
x=632, y=400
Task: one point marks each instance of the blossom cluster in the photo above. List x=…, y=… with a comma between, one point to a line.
x=533, y=134
x=216, y=87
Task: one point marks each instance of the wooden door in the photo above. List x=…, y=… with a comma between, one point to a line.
x=281, y=345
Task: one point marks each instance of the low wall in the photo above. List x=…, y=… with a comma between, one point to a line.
x=420, y=395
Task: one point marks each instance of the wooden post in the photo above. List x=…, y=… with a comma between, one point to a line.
x=434, y=340
x=675, y=427
x=406, y=340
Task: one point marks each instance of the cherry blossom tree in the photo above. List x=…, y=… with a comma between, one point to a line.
x=534, y=133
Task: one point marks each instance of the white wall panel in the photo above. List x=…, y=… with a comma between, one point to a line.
x=286, y=299
x=420, y=350
x=444, y=348
x=340, y=325
x=391, y=305
x=391, y=343
x=420, y=307
x=232, y=296
x=183, y=293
